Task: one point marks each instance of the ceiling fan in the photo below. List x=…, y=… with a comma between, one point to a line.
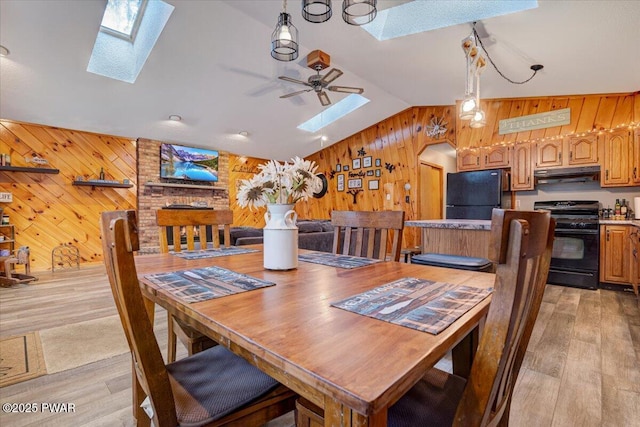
x=318, y=60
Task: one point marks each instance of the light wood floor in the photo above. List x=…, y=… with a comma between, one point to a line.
x=583, y=366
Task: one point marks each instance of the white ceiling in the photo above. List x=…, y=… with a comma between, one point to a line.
x=211, y=65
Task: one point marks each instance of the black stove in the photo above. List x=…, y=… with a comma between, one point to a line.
x=576, y=248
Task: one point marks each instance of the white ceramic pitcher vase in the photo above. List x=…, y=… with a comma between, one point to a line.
x=280, y=238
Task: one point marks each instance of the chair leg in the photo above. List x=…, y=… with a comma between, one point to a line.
x=171, y=342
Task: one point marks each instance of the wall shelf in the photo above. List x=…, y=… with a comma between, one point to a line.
x=169, y=184
x=25, y=169
x=102, y=184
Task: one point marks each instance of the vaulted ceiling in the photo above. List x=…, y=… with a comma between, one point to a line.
x=211, y=65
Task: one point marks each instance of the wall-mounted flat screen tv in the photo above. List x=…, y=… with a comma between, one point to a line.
x=188, y=163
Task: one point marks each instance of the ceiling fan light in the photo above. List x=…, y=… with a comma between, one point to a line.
x=359, y=12
x=284, y=40
x=316, y=11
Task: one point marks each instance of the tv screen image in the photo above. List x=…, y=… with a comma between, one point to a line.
x=188, y=163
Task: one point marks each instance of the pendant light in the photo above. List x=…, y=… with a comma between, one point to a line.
x=284, y=40
x=316, y=11
x=359, y=12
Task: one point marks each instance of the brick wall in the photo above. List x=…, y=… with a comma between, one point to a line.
x=151, y=198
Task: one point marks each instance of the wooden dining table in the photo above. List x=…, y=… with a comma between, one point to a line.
x=353, y=366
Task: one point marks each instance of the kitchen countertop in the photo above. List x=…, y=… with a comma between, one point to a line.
x=634, y=222
x=458, y=224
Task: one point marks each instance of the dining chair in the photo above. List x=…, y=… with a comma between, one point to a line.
x=214, y=387
x=190, y=220
x=521, y=246
x=372, y=230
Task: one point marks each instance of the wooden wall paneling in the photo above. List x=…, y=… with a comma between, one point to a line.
x=47, y=209
x=515, y=110
x=624, y=111
x=240, y=168
x=606, y=112
x=575, y=104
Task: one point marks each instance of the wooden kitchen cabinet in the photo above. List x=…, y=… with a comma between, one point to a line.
x=617, y=154
x=573, y=150
x=521, y=167
x=494, y=157
x=549, y=153
x=468, y=159
x=615, y=254
x=635, y=155
x=583, y=150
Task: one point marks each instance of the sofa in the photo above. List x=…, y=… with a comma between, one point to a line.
x=316, y=235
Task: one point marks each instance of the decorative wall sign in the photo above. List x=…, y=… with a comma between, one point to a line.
x=437, y=127
x=6, y=197
x=361, y=152
x=332, y=174
x=535, y=121
x=378, y=172
x=341, y=182
x=389, y=167
x=378, y=163
x=366, y=162
x=374, y=184
x=355, y=163
x=355, y=183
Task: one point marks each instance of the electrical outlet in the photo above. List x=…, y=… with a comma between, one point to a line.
x=517, y=203
x=406, y=199
x=388, y=196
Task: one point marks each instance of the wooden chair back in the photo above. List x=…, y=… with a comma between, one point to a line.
x=190, y=219
x=120, y=239
x=381, y=227
x=521, y=245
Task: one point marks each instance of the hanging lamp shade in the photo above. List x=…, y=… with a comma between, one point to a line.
x=316, y=11
x=359, y=12
x=284, y=40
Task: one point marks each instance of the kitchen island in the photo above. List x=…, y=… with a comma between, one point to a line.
x=466, y=237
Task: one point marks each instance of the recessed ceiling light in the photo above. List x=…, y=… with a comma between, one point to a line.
x=243, y=133
x=4, y=51
x=175, y=117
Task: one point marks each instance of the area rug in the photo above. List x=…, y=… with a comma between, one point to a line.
x=20, y=358
x=77, y=344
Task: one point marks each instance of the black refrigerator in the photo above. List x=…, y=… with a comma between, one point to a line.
x=473, y=195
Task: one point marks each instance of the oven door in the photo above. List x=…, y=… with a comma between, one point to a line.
x=575, y=258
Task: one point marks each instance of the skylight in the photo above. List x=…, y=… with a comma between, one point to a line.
x=122, y=17
x=129, y=30
x=333, y=113
x=425, y=15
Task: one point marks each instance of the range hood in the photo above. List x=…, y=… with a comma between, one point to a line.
x=562, y=175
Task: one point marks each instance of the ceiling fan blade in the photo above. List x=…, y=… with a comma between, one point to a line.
x=324, y=98
x=345, y=89
x=295, y=93
x=333, y=74
x=289, y=79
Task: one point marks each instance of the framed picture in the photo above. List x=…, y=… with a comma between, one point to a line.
x=378, y=163
x=338, y=167
x=345, y=168
x=366, y=162
x=378, y=172
x=355, y=183
x=355, y=164
x=374, y=184
x=341, y=182
x=370, y=173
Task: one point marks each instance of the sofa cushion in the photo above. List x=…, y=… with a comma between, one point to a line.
x=309, y=227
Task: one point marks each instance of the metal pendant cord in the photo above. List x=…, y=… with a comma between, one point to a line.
x=535, y=68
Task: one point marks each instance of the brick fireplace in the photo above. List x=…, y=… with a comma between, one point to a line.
x=152, y=198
